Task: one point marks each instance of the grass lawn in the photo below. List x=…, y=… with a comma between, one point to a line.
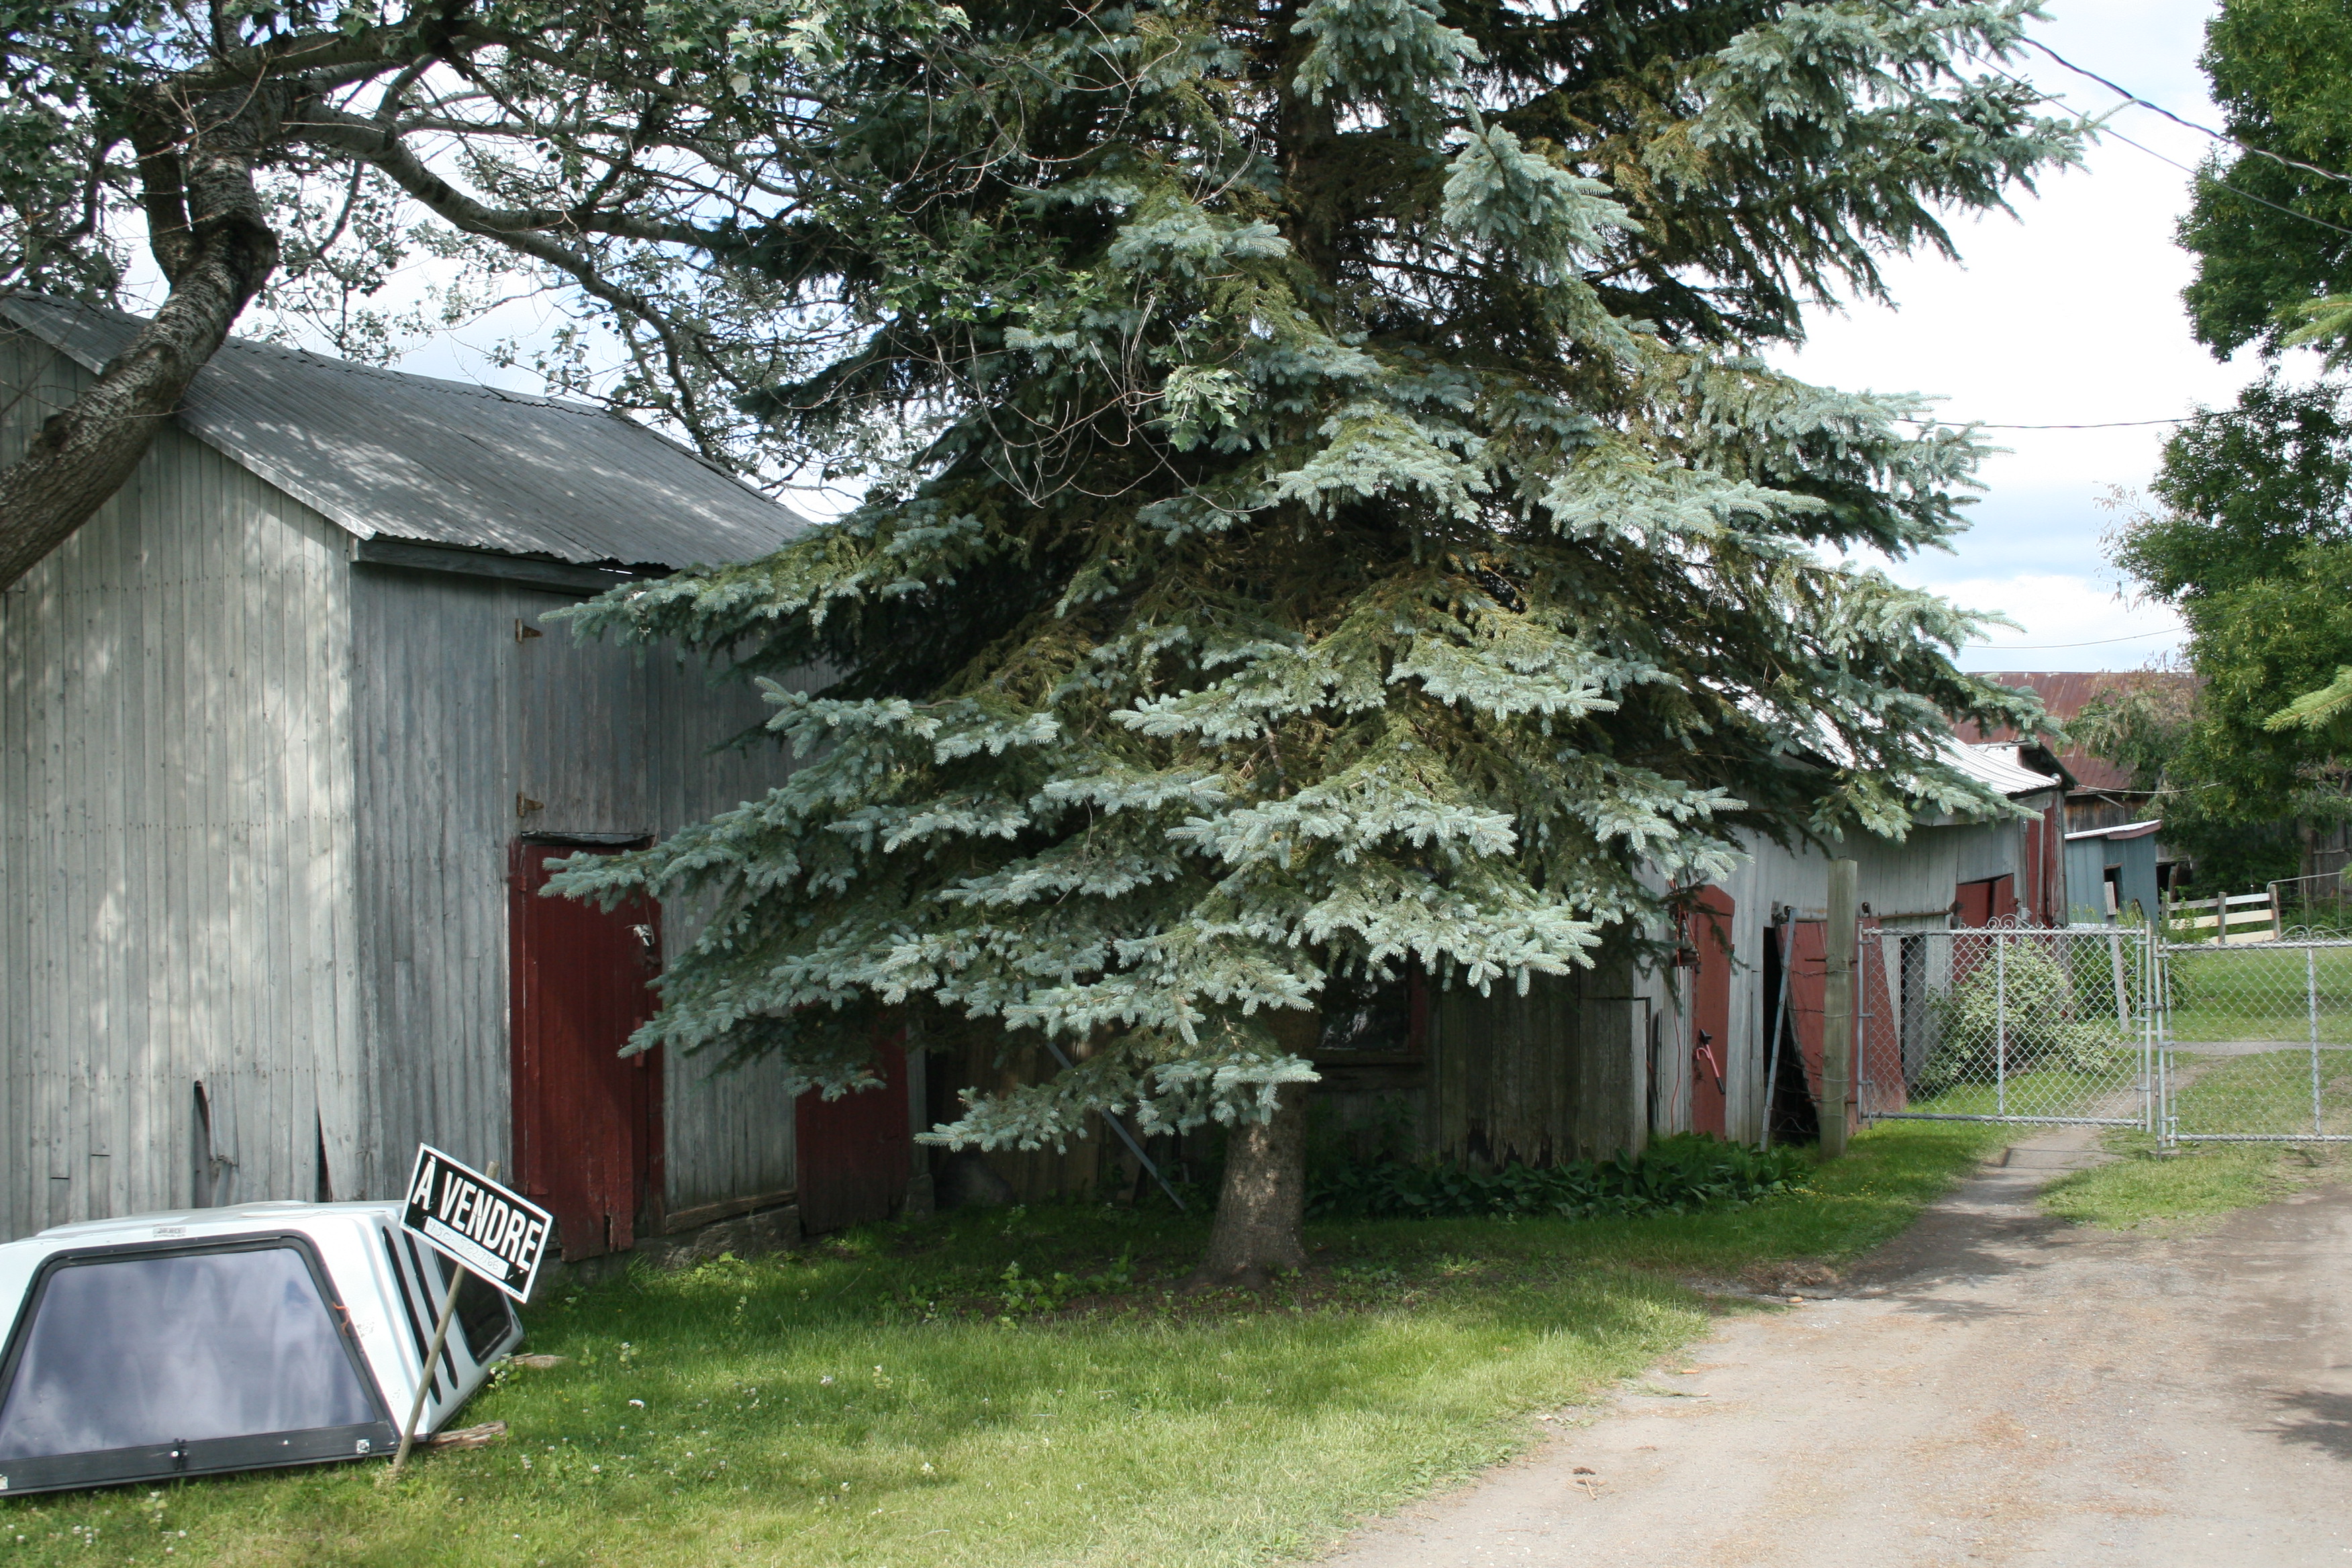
x=2260, y=993
x=2046, y=1093
x=1016, y=1387
x=2269, y=1092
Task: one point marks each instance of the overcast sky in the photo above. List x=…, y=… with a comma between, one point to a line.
x=2067, y=314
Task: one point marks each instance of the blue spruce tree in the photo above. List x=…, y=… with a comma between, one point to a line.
x=1329, y=517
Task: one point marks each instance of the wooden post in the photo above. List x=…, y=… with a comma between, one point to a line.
x=1837, y=1006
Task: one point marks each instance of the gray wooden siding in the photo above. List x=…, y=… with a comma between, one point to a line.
x=174, y=859
x=1538, y=1079
x=471, y=735
x=727, y=1135
x=436, y=720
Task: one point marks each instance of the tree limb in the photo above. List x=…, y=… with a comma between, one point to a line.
x=217, y=258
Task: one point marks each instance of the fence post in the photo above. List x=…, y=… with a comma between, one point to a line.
x=2116, y=963
x=2155, y=1022
x=2278, y=916
x=2000, y=1023
x=2311, y=1007
x=1837, y=1005
x=2220, y=919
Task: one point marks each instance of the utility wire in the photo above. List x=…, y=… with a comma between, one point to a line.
x=2190, y=124
x=2054, y=646
x=2104, y=424
x=2197, y=174
x=2233, y=190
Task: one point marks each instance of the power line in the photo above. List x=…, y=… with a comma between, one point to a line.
x=2190, y=124
x=2196, y=174
x=2233, y=190
x=2104, y=424
x=2054, y=646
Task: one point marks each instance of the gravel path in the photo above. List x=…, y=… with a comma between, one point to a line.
x=1992, y=1388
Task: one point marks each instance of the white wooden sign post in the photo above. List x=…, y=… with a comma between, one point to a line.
x=483, y=1228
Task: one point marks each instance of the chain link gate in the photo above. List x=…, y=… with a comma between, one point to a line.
x=2049, y=1027
x=2258, y=1041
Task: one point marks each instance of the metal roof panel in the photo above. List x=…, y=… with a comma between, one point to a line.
x=382, y=452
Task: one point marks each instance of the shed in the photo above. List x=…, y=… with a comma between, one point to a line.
x=2112, y=872
x=285, y=753
x=2105, y=794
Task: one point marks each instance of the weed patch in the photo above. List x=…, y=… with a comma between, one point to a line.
x=1675, y=1175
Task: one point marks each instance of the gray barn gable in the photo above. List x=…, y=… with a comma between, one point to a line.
x=271, y=726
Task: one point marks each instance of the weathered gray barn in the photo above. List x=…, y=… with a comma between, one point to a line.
x=282, y=750
x=1594, y=1063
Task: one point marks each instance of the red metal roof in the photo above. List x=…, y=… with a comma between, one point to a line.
x=2065, y=693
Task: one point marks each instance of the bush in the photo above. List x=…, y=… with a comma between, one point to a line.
x=1677, y=1174
x=2044, y=1027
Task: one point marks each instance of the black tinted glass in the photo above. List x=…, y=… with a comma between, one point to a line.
x=481, y=1311
x=139, y=1349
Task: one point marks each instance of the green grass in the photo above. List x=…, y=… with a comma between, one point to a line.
x=2051, y=1093
x=894, y=1399
x=2258, y=993
x=2268, y=1093
x=2186, y=1190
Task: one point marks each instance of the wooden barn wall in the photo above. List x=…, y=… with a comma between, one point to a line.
x=436, y=716
x=729, y=1131
x=1084, y=1164
x=176, y=863
x=470, y=734
x=1538, y=1079
x=1908, y=885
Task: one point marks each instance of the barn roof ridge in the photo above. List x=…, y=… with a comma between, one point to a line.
x=392, y=454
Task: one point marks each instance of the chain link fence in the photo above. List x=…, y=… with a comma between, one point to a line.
x=2012, y=1024
x=2258, y=1041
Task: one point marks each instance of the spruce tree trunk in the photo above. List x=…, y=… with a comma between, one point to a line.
x=1260, y=1227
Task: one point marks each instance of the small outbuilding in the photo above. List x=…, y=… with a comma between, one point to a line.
x=2113, y=873
x=285, y=751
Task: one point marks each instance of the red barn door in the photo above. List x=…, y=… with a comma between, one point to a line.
x=1982, y=903
x=855, y=1153
x=1807, y=973
x=587, y=1119
x=1707, y=929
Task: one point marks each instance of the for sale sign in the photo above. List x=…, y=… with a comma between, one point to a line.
x=496, y=1232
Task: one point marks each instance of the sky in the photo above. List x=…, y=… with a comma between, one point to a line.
x=2067, y=313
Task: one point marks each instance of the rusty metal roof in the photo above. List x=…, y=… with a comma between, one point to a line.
x=383, y=453
x=2065, y=693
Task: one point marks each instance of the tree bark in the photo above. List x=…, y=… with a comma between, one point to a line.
x=1260, y=1226
x=217, y=256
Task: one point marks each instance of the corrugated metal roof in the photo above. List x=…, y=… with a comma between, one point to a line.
x=2121, y=830
x=382, y=452
x=1999, y=766
x=2065, y=693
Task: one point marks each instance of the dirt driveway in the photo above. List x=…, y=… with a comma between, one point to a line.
x=1994, y=1388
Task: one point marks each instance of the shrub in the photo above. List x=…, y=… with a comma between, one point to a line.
x=2040, y=1029
x=1675, y=1175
